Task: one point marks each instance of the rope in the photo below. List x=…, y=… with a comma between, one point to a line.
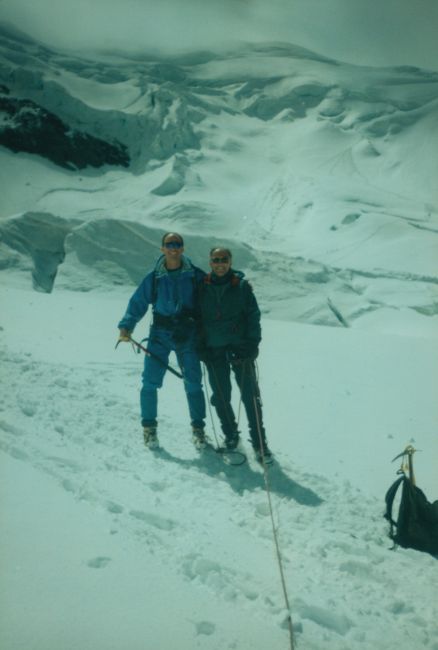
x=218, y=449
x=241, y=391
x=254, y=369
x=274, y=530
x=209, y=405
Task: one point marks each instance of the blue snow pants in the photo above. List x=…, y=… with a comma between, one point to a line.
x=161, y=344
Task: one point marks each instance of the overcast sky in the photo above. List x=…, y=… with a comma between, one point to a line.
x=373, y=32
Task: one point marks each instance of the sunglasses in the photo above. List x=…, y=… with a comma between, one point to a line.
x=173, y=244
x=219, y=260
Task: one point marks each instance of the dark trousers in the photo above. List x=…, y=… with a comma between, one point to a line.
x=219, y=369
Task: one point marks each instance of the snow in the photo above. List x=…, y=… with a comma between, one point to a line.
x=106, y=545
x=333, y=216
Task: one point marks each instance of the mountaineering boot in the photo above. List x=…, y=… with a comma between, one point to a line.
x=263, y=455
x=199, y=437
x=150, y=437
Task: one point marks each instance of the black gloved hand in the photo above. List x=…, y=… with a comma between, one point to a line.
x=248, y=351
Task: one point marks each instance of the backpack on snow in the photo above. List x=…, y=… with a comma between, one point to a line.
x=417, y=521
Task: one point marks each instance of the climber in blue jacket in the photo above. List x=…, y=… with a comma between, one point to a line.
x=170, y=288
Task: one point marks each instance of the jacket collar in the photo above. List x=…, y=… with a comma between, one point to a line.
x=160, y=267
x=232, y=277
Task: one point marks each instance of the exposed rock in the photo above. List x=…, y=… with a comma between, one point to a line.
x=28, y=127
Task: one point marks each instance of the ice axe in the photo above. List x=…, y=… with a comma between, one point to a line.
x=409, y=452
x=141, y=347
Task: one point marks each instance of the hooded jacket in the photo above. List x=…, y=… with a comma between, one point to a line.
x=169, y=294
x=229, y=313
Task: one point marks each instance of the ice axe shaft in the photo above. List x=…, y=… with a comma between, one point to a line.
x=141, y=347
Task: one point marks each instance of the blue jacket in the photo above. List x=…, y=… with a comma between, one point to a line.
x=168, y=296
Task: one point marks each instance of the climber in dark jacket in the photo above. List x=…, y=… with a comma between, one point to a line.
x=230, y=334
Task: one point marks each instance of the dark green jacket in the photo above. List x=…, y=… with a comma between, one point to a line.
x=229, y=313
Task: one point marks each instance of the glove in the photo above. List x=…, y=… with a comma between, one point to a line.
x=125, y=335
x=248, y=351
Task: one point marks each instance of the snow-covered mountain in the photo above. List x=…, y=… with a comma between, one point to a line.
x=321, y=175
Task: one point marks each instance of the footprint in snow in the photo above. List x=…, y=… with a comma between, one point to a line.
x=28, y=408
x=153, y=520
x=114, y=508
x=205, y=627
x=99, y=562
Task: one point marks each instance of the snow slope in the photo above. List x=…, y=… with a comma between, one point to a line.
x=106, y=545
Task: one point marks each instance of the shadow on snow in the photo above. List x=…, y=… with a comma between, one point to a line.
x=243, y=477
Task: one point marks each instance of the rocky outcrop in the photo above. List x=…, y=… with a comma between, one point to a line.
x=26, y=126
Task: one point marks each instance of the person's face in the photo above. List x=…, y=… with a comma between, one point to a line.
x=220, y=262
x=172, y=249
